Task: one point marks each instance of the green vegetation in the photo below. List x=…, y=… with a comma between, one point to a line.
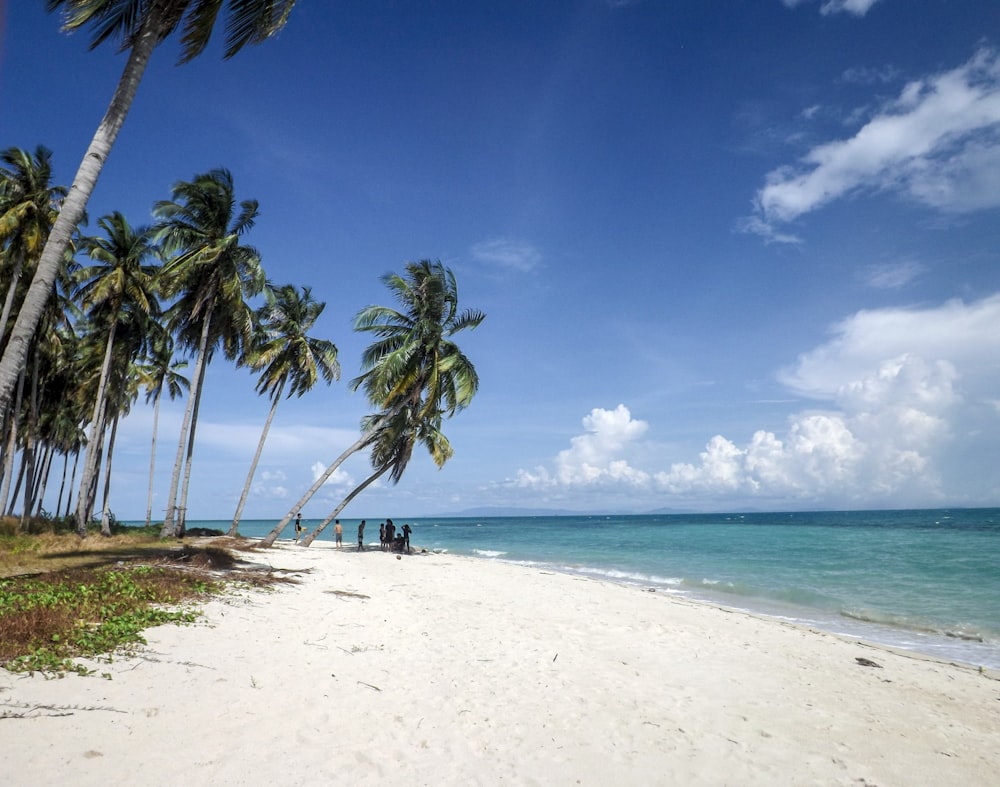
x=63, y=599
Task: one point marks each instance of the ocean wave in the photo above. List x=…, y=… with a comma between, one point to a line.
x=911, y=624
x=488, y=552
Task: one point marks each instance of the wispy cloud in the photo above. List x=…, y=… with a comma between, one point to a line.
x=938, y=144
x=856, y=7
x=892, y=276
x=508, y=254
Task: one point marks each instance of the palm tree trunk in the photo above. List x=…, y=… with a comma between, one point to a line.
x=75, y=204
x=357, y=446
x=72, y=483
x=169, y=529
x=11, y=449
x=8, y=304
x=343, y=504
x=182, y=508
x=43, y=481
x=152, y=456
x=85, y=505
x=62, y=484
x=256, y=458
x=105, y=521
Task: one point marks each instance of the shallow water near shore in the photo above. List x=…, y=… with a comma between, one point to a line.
x=927, y=581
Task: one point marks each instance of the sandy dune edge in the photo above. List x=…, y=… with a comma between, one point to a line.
x=436, y=669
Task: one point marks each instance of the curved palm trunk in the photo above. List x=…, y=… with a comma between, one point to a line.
x=72, y=482
x=62, y=484
x=169, y=529
x=256, y=459
x=152, y=456
x=343, y=503
x=72, y=211
x=357, y=446
x=85, y=503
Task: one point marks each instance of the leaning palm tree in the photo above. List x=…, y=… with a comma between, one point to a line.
x=413, y=365
x=287, y=355
x=212, y=274
x=120, y=286
x=139, y=26
x=391, y=451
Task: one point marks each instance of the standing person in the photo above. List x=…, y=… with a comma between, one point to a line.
x=406, y=537
x=390, y=532
x=338, y=533
x=361, y=535
x=381, y=536
x=298, y=527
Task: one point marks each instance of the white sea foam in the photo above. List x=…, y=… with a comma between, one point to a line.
x=488, y=552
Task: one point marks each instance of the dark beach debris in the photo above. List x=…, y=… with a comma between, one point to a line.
x=346, y=594
x=867, y=662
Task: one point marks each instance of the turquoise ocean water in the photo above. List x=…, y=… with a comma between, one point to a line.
x=927, y=581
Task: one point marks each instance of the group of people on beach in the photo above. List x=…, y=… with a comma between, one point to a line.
x=389, y=539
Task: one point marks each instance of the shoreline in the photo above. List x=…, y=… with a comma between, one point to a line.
x=443, y=669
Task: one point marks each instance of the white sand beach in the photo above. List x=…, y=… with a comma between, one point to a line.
x=444, y=670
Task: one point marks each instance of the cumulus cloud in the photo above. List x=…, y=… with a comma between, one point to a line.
x=937, y=143
x=508, y=254
x=893, y=390
x=594, y=457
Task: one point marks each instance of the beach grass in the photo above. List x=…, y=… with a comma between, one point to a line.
x=64, y=598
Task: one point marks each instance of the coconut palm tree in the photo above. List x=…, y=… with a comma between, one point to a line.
x=287, y=355
x=138, y=26
x=212, y=275
x=29, y=205
x=160, y=373
x=119, y=287
x=413, y=366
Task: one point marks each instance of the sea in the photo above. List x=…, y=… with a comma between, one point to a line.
x=927, y=581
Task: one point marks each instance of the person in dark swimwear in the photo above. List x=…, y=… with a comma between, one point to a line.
x=361, y=535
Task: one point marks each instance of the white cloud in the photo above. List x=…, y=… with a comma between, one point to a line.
x=856, y=7
x=897, y=389
x=594, y=457
x=339, y=478
x=892, y=276
x=938, y=143
x=507, y=253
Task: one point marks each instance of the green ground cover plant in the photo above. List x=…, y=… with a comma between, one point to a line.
x=64, y=598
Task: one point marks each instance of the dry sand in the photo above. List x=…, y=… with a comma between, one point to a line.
x=442, y=670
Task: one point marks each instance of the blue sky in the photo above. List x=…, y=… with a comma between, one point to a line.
x=733, y=255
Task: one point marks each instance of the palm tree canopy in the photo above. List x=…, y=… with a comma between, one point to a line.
x=413, y=362
x=120, y=279
x=211, y=272
x=285, y=352
x=28, y=202
x=247, y=21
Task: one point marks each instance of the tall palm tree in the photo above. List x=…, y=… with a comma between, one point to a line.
x=139, y=26
x=413, y=367
x=29, y=205
x=212, y=276
x=160, y=373
x=287, y=355
x=120, y=286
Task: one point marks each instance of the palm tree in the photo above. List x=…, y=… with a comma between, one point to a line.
x=160, y=372
x=391, y=451
x=29, y=205
x=119, y=287
x=287, y=355
x=212, y=275
x=413, y=367
x=139, y=26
